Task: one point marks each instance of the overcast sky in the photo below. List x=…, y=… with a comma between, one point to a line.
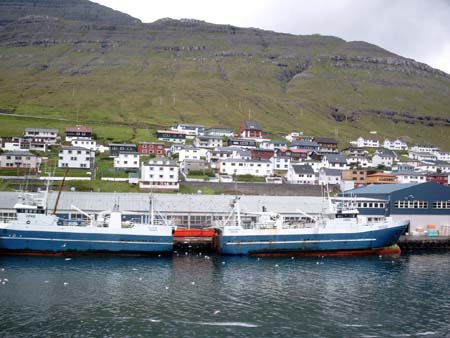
x=417, y=29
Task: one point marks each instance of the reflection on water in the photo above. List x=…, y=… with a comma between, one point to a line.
x=198, y=296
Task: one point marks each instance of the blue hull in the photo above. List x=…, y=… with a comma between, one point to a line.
x=276, y=244
x=66, y=242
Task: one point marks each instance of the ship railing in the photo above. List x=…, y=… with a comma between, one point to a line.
x=7, y=219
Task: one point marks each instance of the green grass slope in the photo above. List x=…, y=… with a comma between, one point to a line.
x=126, y=78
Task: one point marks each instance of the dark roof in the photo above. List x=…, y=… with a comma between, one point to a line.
x=252, y=125
x=304, y=144
x=122, y=145
x=380, y=188
x=332, y=172
x=18, y=153
x=335, y=158
x=329, y=140
x=83, y=129
x=303, y=169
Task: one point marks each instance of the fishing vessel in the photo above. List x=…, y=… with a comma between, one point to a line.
x=35, y=230
x=338, y=231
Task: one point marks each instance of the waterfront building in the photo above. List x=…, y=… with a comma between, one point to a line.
x=421, y=203
x=194, y=210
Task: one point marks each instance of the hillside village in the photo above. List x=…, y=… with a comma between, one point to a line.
x=191, y=152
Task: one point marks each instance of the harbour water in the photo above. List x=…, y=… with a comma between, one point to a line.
x=200, y=296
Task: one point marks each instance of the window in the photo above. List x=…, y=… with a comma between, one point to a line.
x=441, y=204
x=408, y=204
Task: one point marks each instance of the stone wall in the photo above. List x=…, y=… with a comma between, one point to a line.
x=259, y=188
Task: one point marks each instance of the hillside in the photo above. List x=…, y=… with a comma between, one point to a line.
x=80, y=61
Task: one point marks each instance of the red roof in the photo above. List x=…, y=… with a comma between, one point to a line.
x=83, y=129
x=381, y=175
x=299, y=151
x=172, y=132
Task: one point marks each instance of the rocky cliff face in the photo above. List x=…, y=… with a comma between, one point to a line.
x=77, y=10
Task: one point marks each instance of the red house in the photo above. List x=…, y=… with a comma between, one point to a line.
x=261, y=154
x=151, y=148
x=438, y=178
x=250, y=129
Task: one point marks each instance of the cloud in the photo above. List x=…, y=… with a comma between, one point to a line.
x=412, y=28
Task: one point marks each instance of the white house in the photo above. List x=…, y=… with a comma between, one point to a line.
x=395, y=144
x=358, y=161
x=293, y=136
x=427, y=166
x=410, y=177
x=127, y=160
x=49, y=136
x=335, y=161
x=422, y=156
x=329, y=176
x=191, y=130
x=84, y=142
x=19, y=143
x=442, y=156
x=75, y=157
x=189, y=152
x=315, y=165
x=383, y=157
x=208, y=141
x=246, y=167
x=443, y=167
x=20, y=160
x=362, y=142
x=301, y=174
x=159, y=173
x=280, y=162
x=272, y=145
x=424, y=148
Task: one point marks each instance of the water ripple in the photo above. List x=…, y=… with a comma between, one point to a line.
x=191, y=296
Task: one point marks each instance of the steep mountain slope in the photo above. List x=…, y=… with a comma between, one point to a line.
x=104, y=66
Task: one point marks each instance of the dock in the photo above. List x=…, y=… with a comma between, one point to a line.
x=424, y=243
